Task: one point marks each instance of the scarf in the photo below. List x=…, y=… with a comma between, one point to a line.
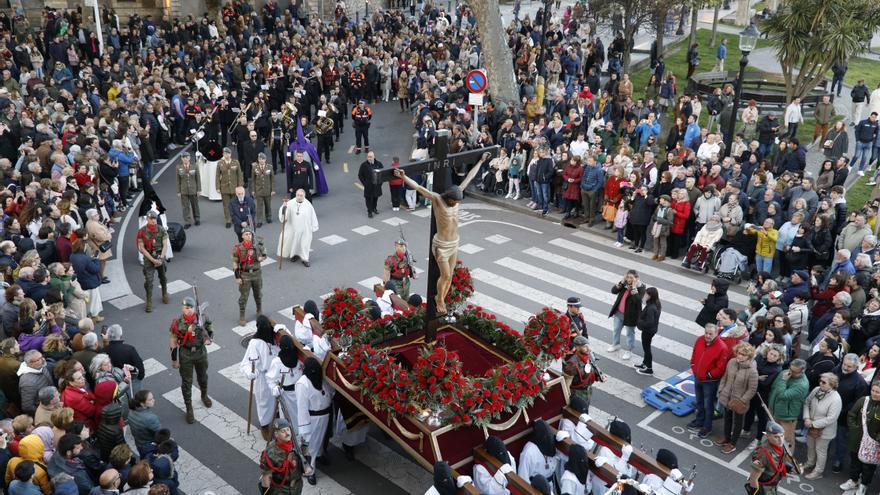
x=713, y=225
x=285, y=446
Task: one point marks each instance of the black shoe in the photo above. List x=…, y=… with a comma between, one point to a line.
x=836, y=467
x=357, y=151
x=370, y=214
x=306, y=264
x=312, y=479
x=639, y=366
x=295, y=257
x=198, y=222
x=645, y=371
x=632, y=246
x=376, y=212
x=228, y=225
x=105, y=280
x=186, y=226
x=259, y=224
x=638, y=250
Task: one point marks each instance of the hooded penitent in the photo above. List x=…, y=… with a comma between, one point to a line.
x=496, y=448
x=289, y=354
x=621, y=429
x=543, y=438
x=313, y=371
x=577, y=463
x=443, y=479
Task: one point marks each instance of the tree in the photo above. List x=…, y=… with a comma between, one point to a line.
x=633, y=14
x=808, y=36
x=495, y=54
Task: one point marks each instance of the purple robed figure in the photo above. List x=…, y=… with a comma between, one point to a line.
x=303, y=144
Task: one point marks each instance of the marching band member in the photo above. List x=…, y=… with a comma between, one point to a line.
x=539, y=454
x=494, y=484
x=284, y=371
x=314, y=398
x=620, y=463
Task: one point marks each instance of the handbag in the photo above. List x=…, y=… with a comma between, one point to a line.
x=736, y=405
x=815, y=432
x=869, y=449
x=609, y=211
x=105, y=246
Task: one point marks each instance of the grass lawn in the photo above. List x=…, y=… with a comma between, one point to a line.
x=863, y=68
x=805, y=130
x=858, y=194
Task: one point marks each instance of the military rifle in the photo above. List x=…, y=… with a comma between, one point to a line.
x=410, y=260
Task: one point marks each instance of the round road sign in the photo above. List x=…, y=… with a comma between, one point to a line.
x=477, y=81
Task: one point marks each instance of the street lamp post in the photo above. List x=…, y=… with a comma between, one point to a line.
x=748, y=39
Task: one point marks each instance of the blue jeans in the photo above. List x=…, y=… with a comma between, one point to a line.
x=862, y=150
x=543, y=196
x=764, y=149
x=838, y=82
x=618, y=328
x=764, y=264
x=533, y=187
x=705, y=393
x=620, y=235
x=148, y=171
x=841, y=449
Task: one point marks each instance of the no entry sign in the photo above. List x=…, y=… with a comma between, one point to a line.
x=477, y=81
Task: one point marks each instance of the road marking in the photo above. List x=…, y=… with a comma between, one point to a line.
x=364, y=230
x=178, y=286
x=268, y=261
x=152, y=367
x=497, y=239
x=333, y=240
x=656, y=271
x=214, y=347
x=219, y=273
x=394, y=221
x=509, y=224
x=350, y=149
x=591, y=292
x=359, y=186
x=370, y=282
x=470, y=248
x=544, y=299
x=423, y=213
x=232, y=428
x=345, y=167
x=127, y=301
x=645, y=425
x=197, y=479
x=248, y=328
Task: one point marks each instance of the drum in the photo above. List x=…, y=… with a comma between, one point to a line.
x=211, y=149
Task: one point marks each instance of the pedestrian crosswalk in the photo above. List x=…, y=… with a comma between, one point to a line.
x=514, y=278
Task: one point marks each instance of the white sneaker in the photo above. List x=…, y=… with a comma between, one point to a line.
x=861, y=173
x=613, y=348
x=849, y=485
x=872, y=182
x=861, y=490
x=395, y=209
x=617, y=244
x=626, y=355
x=508, y=196
x=516, y=197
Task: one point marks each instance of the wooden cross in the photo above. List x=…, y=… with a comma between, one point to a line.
x=441, y=165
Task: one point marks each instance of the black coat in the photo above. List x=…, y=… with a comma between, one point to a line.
x=121, y=354
x=365, y=175
x=649, y=318
x=642, y=209
x=851, y=387
x=633, y=306
x=239, y=212
x=714, y=303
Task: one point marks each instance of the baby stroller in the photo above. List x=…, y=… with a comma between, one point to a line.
x=730, y=264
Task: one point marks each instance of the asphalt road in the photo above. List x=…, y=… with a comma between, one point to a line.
x=520, y=263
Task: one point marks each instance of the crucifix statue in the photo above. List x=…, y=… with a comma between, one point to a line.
x=445, y=199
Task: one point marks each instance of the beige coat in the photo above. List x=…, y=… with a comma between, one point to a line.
x=823, y=413
x=739, y=380
x=98, y=234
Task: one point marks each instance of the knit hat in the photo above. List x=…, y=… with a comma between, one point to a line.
x=802, y=274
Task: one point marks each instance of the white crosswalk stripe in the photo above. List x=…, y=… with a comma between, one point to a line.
x=662, y=272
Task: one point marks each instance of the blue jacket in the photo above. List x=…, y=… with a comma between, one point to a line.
x=691, y=133
x=645, y=129
x=593, y=178
x=721, y=53
x=87, y=270
x=124, y=159
x=17, y=487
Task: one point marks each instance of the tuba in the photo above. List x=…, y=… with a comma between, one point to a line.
x=324, y=125
x=288, y=115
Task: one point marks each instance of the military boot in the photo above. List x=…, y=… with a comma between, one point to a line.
x=241, y=321
x=206, y=400
x=259, y=309
x=165, y=299
x=149, y=306
x=190, y=417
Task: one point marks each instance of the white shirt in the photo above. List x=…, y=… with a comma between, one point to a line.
x=579, y=433
x=705, y=150
x=793, y=114
x=532, y=462
x=302, y=331
x=490, y=484
x=579, y=148
x=280, y=376
x=570, y=485
x=385, y=304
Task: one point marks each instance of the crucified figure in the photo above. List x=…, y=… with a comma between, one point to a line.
x=444, y=244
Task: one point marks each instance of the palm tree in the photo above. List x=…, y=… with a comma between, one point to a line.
x=808, y=36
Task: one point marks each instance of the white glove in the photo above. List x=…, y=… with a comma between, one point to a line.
x=625, y=452
x=587, y=368
x=562, y=435
x=276, y=391
x=676, y=474
x=590, y=444
x=308, y=317
x=584, y=418
x=601, y=461
x=505, y=468
x=463, y=480
x=645, y=488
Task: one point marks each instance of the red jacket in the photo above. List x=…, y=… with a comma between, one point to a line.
x=709, y=359
x=572, y=189
x=612, y=190
x=83, y=404
x=682, y=211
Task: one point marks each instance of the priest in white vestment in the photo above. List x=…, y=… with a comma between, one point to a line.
x=299, y=222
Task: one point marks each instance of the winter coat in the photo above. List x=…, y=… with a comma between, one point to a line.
x=817, y=364
x=74, y=467
x=572, y=189
x=144, y=424
x=649, y=318
x=682, y=211
x=708, y=362
x=823, y=413
x=633, y=304
x=640, y=214
x=30, y=381
x=769, y=371
x=121, y=354
x=714, y=302
x=708, y=238
x=665, y=220
x=82, y=402
x=704, y=208
x=850, y=387
x=787, y=396
x=87, y=270
x=854, y=422
x=740, y=380
x=109, y=433
x=30, y=448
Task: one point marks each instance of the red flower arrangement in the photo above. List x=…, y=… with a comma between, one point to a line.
x=439, y=375
x=383, y=380
x=461, y=287
x=343, y=313
x=546, y=335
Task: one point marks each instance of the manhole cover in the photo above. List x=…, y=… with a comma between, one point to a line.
x=246, y=339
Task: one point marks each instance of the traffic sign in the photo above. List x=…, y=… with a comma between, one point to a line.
x=477, y=81
x=475, y=99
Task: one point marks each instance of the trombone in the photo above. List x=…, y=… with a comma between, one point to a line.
x=235, y=123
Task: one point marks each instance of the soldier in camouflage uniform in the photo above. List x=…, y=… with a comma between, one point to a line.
x=246, y=258
x=151, y=244
x=189, y=352
x=229, y=176
x=399, y=270
x=189, y=184
x=768, y=462
x=281, y=467
x=262, y=187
